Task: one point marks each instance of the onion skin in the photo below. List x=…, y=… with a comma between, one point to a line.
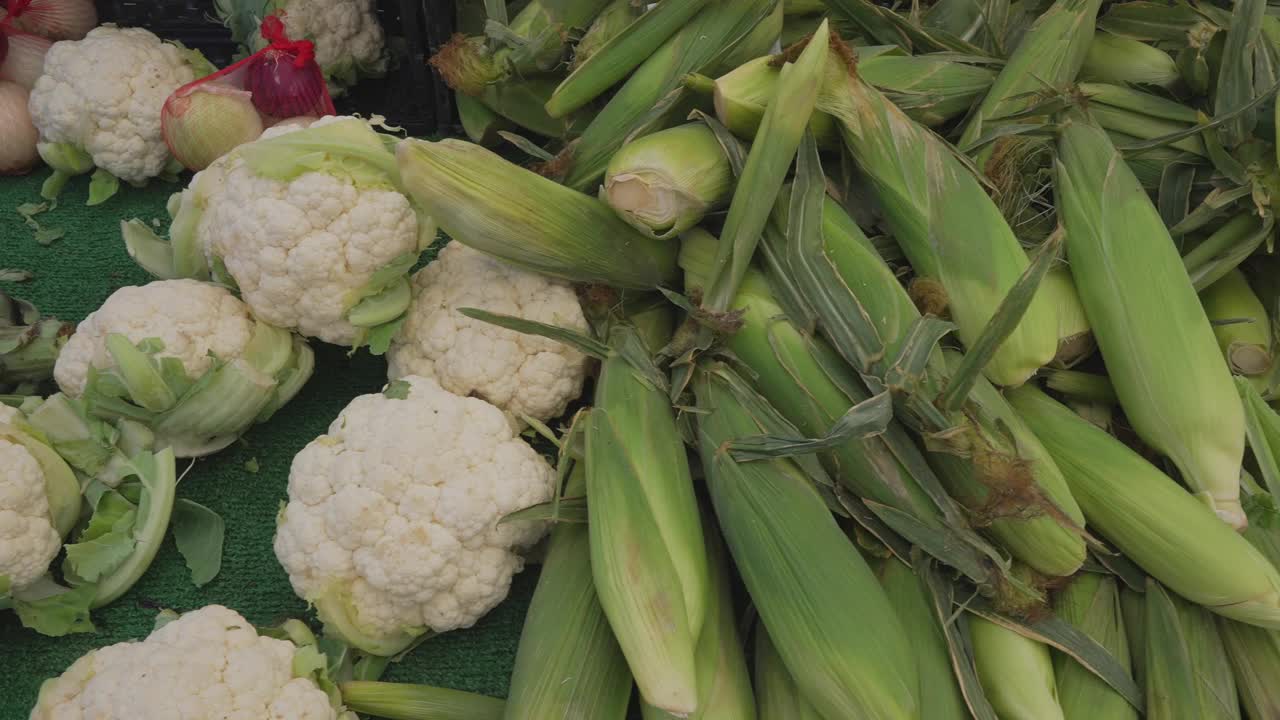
x=57, y=19
x=203, y=123
x=18, y=135
x=281, y=89
x=24, y=62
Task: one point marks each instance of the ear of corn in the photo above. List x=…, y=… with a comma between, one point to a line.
x=940, y=697
x=612, y=20
x=1048, y=57
x=523, y=218
x=696, y=47
x=931, y=90
x=663, y=184
x=647, y=551
x=1016, y=672
x=537, y=38
x=1246, y=340
x=1187, y=674
x=947, y=225
x=606, y=61
x=402, y=701
x=1139, y=299
x=724, y=683
x=790, y=376
x=832, y=623
x=568, y=664
x=1075, y=336
x=1030, y=507
x=1122, y=60
x=1092, y=604
x=777, y=694
x=1165, y=530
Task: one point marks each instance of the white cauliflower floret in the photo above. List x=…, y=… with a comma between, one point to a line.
x=519, y=373
x=191, y=318
x=103, y=94
x=209, y=664
x=347, y=35
x=300, y=250
x=28, y=539
x=397, y=509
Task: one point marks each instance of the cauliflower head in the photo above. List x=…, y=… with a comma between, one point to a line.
x=191, y=318
x=392, y=523
x=209, y=664
x=28, y=539
x=348, y=37
x=301, y=249
x=519, y=373
x=102, y=96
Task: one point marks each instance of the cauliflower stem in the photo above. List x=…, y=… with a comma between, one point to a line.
x=339, y=615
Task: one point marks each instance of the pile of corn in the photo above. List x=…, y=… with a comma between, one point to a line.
x=936, y=350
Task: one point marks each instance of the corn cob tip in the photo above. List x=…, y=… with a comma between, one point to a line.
x=929, y=296
x=465, y=65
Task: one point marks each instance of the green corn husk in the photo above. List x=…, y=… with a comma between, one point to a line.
x=832, y=623
x=479, y=122
x=778, y=697
x=724, y=682
x=764, y=39
x=1187, y=671
x=943, y=219
x=483, y=201
x=403, y=701
x=1254, y=652
x=1016, y=672
x=534, y=42
x=798, y=27
x=931, y=90
x=1092, y=604
x=1075, y=336
x=1133, y=608
x=803, y=7
x=1139, y=299
x=1124, y=61
x=1138, y=116
x=647, y=554
x=523, y=104
x=791, y=376
x=1050, y=55
x=1245, y=345
x=940, y=696
x=616, y=58
x=568, y=664
x=697, y=46
x=611, y=21
x=1165, y=530
x=665, y=183
x=1255, y=661
x=1041, y=539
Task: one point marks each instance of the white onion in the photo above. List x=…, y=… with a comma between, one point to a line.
x=25, y=61
x=57, y=19
x=17, y=135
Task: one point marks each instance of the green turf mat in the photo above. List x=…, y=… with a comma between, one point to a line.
x=72, y=277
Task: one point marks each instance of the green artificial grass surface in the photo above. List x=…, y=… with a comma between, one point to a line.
x=72, y=277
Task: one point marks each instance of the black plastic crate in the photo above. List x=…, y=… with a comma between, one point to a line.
x=411, y=95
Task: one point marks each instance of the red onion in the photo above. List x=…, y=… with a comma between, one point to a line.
x=281, y=89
